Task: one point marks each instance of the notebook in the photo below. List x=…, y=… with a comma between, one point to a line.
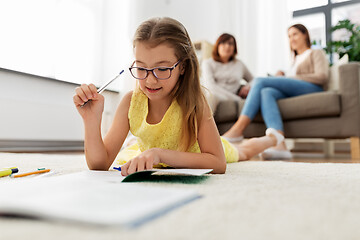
x=115, y=176
x=95, y=197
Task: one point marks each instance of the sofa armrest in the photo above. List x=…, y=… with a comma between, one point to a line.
x=349, y=85
x=349, y=89
x=349, y=78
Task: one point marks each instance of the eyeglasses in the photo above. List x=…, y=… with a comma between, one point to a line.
x=160, y=73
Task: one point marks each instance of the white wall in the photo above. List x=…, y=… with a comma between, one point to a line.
x=36, y=108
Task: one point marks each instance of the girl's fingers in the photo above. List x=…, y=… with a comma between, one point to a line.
x=136, y=165
x=124, y=169
x=93, y=90
x=79, y=91
x=149, y=165
x=87, y=91
x=133, y=166
x=78, y=101
x=140, y=166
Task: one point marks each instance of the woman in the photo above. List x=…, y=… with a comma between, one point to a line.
x=307, y=74
x=224, y=74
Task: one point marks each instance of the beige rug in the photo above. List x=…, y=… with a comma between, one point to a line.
x=253, y=200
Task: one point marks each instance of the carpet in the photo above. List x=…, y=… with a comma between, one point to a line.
x=253, y=200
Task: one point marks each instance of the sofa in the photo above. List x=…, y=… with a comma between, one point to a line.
x=332, y=114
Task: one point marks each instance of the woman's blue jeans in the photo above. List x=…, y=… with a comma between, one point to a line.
x=265, y=92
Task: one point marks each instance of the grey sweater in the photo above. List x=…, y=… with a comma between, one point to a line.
x=223, y=80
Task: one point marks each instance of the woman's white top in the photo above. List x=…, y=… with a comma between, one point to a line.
x=298, y=59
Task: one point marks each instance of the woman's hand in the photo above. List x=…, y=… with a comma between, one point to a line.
x=145, y=161
x=280, y=73
x=244, y=91
x=92, y=109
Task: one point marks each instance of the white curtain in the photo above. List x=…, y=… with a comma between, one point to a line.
x=262, y=33
x=260, y=26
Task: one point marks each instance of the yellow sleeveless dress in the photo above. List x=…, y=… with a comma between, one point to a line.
x=165, y=134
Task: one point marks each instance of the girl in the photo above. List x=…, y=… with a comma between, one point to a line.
x=167, y=111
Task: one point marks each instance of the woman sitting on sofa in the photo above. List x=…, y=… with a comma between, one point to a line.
x=307, y=74
x=225, y=76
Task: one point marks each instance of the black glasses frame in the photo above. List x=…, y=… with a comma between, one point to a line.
x=153, y=72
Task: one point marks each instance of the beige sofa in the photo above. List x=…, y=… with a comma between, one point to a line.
x=329, y=114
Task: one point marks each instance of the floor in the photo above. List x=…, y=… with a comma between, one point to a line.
x=254, y=199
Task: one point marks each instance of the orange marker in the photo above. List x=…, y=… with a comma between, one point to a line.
x=31, y=173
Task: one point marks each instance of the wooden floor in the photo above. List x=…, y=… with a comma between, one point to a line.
x=325, y=160
x=319, y=158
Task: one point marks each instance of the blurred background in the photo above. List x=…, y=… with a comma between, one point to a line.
x=48, y=47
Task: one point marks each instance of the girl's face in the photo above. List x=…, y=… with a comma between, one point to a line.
x=297, y=39
x=160, y=56
x=226, y=49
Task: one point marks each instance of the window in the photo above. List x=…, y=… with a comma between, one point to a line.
x=337, y=1
x=348, y=12
x=332, y=10
x=351, y=12
x=304, y=4
x=315, y=23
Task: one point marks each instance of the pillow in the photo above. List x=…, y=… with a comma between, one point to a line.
x=333, y=84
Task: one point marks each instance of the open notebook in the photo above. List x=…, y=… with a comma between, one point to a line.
x=115, y=176
x=96, y=197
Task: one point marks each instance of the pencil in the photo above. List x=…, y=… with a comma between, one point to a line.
x=31, y=173
x=101, y=89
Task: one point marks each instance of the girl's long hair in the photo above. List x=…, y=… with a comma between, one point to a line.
x=187, y=91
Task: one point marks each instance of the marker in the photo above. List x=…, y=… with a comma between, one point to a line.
x=8, y=171
x=102, y=88
x=31, y=173
x=117, y=168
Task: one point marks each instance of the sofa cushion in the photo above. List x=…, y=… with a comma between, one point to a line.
x=323, y=104
x=227, y=111
x=314, y=105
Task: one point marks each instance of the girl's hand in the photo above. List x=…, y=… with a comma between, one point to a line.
x=92, y=109
x=145, y=161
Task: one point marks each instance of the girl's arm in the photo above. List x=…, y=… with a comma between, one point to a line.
x=101, y=153
x=118, y=131
x=211, y=156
